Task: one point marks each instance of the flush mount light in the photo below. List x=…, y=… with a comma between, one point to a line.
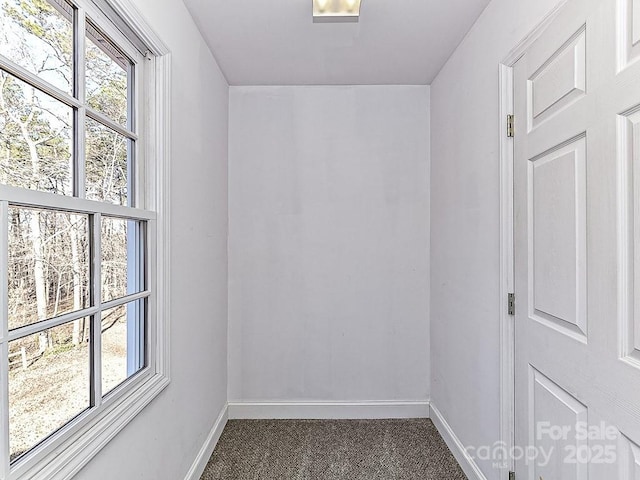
x=336, y=10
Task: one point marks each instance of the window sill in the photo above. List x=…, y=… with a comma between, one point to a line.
x=62, y=458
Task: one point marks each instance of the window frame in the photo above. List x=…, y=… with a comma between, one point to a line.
x=65, y=452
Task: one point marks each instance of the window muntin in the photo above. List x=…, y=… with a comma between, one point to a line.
x=122, y=355
x=48, y=270
x=38, y=36
x=105, y=179
x=107, y=164
x=48, y=390
x=122, y=252
x=107, y=77
x=36, y=138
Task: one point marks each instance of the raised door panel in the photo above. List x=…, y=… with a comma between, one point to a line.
x=629, y=141
x=557, y=229
x=635, y=15
x=559, y=81
x=634, y=324
x=554, y=414
x=628, y=32
x=629, y=459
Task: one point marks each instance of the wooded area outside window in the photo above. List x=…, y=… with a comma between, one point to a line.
x=80, y=242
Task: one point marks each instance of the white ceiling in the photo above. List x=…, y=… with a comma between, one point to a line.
x=275, y=42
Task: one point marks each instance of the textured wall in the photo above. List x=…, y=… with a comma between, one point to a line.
x=163, y=441
x=465, y=224
x=329, y=231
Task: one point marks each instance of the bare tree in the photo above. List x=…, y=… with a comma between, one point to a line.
x=35, y=153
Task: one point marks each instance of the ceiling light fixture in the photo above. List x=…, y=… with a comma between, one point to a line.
x=336, y=10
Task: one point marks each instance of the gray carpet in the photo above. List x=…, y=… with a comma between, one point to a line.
x=331, y=450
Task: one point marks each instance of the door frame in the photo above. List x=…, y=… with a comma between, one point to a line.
x=507, y=231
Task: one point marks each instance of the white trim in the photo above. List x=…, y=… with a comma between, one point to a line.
x=209, y=446
x=80, y=114
x=4, y=333
x=327, y=410
x=81, y=448
x=53, y=201
x=160, y=149
x=26, y=76
x=507, y=284
x=507, y=225
x=516, y=53
x=105, y=121
x=96, y=320
x=134, y=20
x=4, y=260
x=468, y=464
x=64, y=454
x=132, y=297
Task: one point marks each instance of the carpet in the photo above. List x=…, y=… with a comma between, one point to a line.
x=331, y=450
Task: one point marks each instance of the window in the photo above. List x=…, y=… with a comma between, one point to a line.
x=83, y=229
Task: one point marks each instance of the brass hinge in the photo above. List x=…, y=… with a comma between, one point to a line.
x=510, y=126
x=511, y=304
x=512, y=475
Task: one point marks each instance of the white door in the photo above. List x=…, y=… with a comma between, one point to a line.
x=577, y=245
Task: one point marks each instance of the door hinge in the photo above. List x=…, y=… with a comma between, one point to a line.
x=512, y=475
x=510, y=126
x=511, y=304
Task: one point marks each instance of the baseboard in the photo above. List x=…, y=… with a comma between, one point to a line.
x=468, y=464
x=333, y=410
x=210, y=443
x=327, y=410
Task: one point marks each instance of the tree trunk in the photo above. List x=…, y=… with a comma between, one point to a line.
x=36, y=239
x=78, y=330
x=38, y=274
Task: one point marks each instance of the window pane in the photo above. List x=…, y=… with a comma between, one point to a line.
x=122, y=258
x=48, y=264
x=38, y=35
x=107, y=166
x=122, y=343
x=50, y=388
x=35, y=138
x=106, y=82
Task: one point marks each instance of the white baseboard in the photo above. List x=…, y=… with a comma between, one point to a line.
x=468, y=464
x=333, y=410
x=327, y=410
x=210, y=443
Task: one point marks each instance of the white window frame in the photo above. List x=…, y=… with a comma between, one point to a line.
x=63, y=454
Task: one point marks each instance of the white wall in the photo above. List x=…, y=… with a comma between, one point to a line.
x=465, y=211
x=328, y=252
x=164, y=439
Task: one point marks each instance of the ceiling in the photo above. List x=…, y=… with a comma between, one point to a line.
x=276, y=42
